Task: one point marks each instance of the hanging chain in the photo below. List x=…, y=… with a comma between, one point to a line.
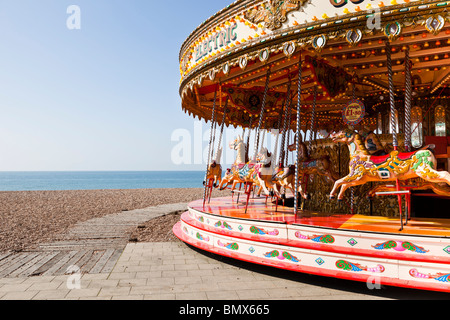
x=299, y=92
x=391, y=95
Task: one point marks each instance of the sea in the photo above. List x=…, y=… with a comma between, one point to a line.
x=99, y=180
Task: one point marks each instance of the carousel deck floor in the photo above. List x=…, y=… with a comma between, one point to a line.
x=259, y=210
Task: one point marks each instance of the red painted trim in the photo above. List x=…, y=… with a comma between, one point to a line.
x=314, y=246
x=304, y=269
x=258, y=210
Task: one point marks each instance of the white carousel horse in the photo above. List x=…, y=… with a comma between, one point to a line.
x=240, y=171
x=258, y=172
x=264, y=171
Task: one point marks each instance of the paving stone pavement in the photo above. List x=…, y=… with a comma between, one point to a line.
x=176, y=271
x=94, y=261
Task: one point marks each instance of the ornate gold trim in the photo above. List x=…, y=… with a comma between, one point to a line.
x=434, y=24
x=289, y=48
x=353, y=36
x=310, y=33
x=273, y=12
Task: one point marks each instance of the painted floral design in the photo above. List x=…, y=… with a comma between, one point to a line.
x=442, y=277
x=356, y=267
x=399, y=246
x=327, y=238
x=260, y=231
x=283, y=256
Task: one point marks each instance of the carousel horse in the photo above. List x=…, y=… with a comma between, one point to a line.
x=307, y=166
x=263, y=173
x=214, y=171
x=394, y=166
x=213, y=175
x=314, y=166
x=285, y=176
x=240, y=172
x=257, y=172
x=372, y=143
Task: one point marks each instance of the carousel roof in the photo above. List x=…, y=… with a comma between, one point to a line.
x=254, y=45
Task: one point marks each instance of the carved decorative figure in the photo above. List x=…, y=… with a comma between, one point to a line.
x=307, y=166
x=273, y=12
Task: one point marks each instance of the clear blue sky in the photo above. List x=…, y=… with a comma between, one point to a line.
x=104, y=97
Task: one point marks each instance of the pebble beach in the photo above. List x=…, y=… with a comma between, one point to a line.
x=28, y=218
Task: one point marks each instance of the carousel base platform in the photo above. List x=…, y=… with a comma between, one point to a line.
x=352, y=247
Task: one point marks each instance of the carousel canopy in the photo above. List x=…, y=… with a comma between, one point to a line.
x=248, y=56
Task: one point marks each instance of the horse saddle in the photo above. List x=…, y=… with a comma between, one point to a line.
x=240, y=166
x=381, y=159
x=401, y=156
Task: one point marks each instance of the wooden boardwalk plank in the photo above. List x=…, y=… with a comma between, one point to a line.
x=22, y=259
x=102, y=261
x=36, y=257
x=33, y=271
x=9, y=260
x=82, y=244
x=58, y=264
x=5, y=255
x=92, y=261
x=74, y=261
x=85, y=258
x=110, y=264
x=91, y=235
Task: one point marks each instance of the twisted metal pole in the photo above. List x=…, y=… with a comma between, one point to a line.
x=213, y=115
x=288, y=139
x=287, y=108
x=213, y=143
x=352, y=189
x=248, y=138
x=261, y=116
x=408, y=98
x=391, y=94
x=277, y=136
x=221, y=129
x=313, y=119
x=215, y=124
x=297, y=162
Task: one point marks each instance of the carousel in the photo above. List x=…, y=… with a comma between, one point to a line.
x=357, y=185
